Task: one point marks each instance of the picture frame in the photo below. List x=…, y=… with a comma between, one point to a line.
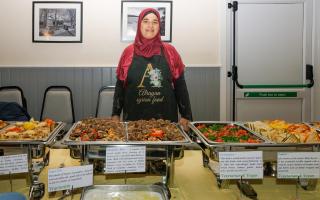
x=57, y=21
x=130, y=11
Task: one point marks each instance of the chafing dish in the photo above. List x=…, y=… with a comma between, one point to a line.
x=125, y=140
x=270, y=149
x=284, y=134
x=156, y=151
x=38, y=148
x=221, y=134
x=137, y=192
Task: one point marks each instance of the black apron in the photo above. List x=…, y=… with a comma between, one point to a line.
x=149, y=91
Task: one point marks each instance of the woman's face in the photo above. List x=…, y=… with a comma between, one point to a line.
x=149, y=26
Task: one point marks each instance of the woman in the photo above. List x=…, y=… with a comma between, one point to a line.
x=150, y=77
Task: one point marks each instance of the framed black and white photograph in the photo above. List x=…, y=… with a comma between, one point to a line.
x=130, y=11
x=57, y=21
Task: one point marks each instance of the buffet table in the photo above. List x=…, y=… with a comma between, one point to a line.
x=192, y=181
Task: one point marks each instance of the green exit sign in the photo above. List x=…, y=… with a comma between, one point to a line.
x=270, y=94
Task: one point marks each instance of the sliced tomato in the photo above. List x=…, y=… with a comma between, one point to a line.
x=85, y=137
x=50, y=122
x=94, y=135
x=241, y=132
x=251, y=140
x=206, y=134
x=199, y=126
x=223, y=133
x=219, y=140
x=15, y=129
x=157, y=133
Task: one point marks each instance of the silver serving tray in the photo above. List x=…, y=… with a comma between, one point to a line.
x=7, y=123
x=186, y=139
x=45, y=141
x=207, y=142
x=68, y=141
x=121, y=189
x=313, y=126
x=277, y=144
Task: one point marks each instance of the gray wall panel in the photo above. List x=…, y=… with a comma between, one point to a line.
x=97, y=83
x=204, y=91
x=29, y=84
x=78, y=93
x=6, y=76
x=87, y=94
x=106, y=76
x=113, y=76
x=203, y=85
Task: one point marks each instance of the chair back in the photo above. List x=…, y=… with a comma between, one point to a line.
x=105, y=100
x=13, y=94
x=58, y=104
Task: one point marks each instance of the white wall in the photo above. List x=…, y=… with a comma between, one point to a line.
x=195, y=29
x=198, y=27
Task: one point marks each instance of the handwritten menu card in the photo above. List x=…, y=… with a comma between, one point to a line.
x=14, y=164
x=237, y=165
x=121, y=159
x=291, y=165
x=70, y=177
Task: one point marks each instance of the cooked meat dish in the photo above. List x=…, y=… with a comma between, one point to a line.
x=153, y=130
x=98, y=129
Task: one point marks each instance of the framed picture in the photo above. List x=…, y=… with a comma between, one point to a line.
x=57, y=21
x=130, y=11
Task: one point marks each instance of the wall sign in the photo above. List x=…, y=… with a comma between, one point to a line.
x=270, y=94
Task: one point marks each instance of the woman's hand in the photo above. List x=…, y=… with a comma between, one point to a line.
x=115, y=118
x=184, y=123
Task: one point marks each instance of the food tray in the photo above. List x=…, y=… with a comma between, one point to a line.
x=124, y=192
x=282, y=133
x=160, y=132
x=315, y=125
x=3, y=124
x=96, y=131
x=226, y=134
x=44, y=141
x=127, y=139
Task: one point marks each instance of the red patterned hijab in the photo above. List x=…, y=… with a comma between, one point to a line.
x=147, y=47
